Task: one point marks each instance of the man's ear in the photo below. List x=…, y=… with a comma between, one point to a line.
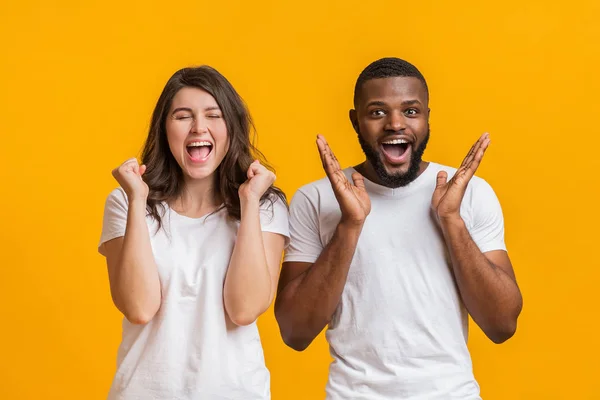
x=354, y=120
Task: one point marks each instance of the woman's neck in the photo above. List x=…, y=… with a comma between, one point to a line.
x=197, y=198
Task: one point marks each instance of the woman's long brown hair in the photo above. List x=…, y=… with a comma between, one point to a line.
x=164, y=176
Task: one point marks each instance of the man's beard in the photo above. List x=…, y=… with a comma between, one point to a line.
x=400, y=179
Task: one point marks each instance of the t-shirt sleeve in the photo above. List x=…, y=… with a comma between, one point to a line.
x=305, y=241
x=274, y=218
x=115, y=217
x=487, y=225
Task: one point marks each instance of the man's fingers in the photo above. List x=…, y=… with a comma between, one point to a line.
x=323, y=153
x=331, y=167
x=465, y=160
x=477, y=157
x=332, y=157
x=321, y=146
x=142, y=169
x=471, y=152
x=359, y=180
x=474, y=149
x=330, y=163
x=441, y=179
x=324, y=149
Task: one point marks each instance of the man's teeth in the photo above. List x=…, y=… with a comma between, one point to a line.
x=396, y=141
x=199, y=144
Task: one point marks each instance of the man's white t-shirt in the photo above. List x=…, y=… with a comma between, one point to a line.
x=400, y=329
x=190, y=349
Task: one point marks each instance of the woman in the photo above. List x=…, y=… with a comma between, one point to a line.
x=193, y=240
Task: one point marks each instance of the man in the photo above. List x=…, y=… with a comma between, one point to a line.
x=393, y=255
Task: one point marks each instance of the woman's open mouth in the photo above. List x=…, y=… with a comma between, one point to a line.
x=199, y=151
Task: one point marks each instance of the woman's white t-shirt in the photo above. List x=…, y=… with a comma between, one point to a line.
x=190, y=349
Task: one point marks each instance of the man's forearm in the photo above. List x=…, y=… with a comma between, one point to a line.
x=305, y=306
x=490, y=294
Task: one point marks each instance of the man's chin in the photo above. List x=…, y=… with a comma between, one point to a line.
x=395, y=176
x=396, y=170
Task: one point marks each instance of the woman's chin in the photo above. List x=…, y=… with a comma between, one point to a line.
x=198, y=173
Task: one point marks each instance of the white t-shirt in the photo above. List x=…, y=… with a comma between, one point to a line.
x=400, y=329
x=190, y=349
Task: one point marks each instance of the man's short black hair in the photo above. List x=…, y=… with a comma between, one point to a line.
x=388, y=67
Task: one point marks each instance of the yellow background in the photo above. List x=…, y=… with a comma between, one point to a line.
x=78, y=82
